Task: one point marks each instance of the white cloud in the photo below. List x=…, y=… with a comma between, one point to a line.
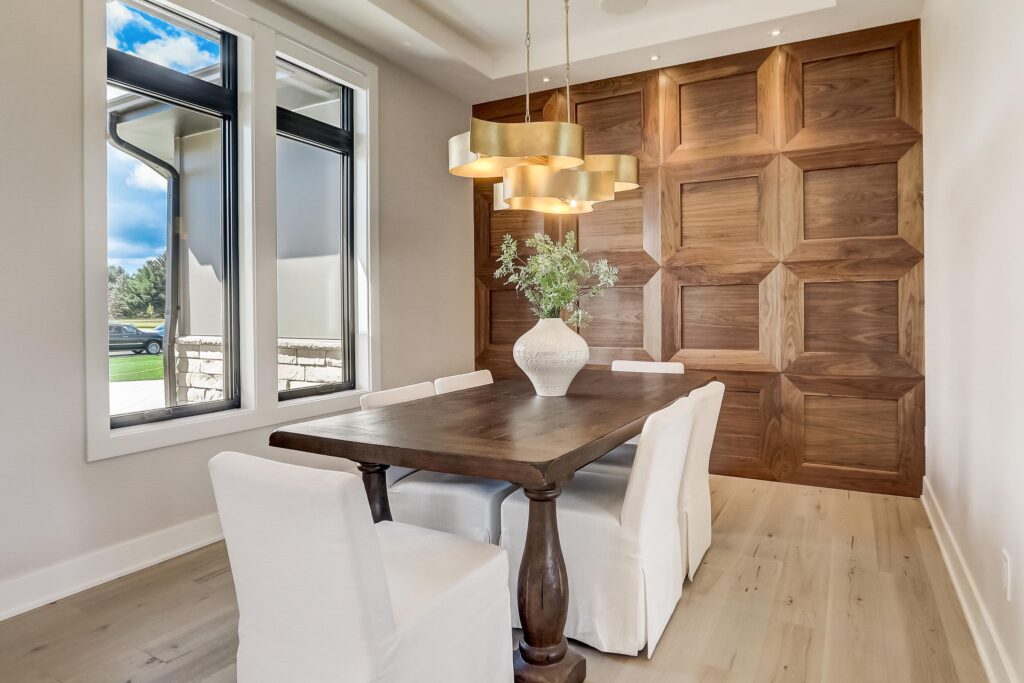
x=180, y=53
x=118, y=16
x=145, y=178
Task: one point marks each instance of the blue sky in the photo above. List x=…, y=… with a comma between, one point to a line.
x=137, y=195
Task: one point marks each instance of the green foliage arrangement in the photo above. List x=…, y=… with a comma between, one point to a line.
x=555, y=278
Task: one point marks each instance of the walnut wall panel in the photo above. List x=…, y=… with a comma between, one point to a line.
x=777, y=240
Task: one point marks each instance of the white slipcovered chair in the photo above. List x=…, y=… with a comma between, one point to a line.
x=695, y=491
x=620, y=539
x=388, y=397
x=658, y=367
x=326, y=595
x=467, y=506
x=444, y=385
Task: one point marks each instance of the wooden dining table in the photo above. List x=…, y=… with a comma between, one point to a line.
x=505, y=431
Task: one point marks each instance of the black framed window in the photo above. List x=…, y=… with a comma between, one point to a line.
x=172, y=228
x=315, y=251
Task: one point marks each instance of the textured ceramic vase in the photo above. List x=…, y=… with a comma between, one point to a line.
x=551, y=354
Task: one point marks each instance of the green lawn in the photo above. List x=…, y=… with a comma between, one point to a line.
x=135, y=368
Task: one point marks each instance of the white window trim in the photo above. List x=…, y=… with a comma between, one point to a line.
x=262, y=35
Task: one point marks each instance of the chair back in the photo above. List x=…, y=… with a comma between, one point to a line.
x=666, y=368
x=652, y=495
x=389, y=397
x=313, y=599
x=444, y=385
x=698, y=456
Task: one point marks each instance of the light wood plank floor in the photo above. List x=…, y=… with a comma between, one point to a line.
x=801, y=584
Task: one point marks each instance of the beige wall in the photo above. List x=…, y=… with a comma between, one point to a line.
x=974, y=229
x=53, y=505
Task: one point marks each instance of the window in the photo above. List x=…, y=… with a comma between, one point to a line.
x=315, y=264
x=172, y=233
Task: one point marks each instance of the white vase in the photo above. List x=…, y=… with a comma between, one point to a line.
x=551, y=354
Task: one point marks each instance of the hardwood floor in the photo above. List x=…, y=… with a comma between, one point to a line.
x=801, y=584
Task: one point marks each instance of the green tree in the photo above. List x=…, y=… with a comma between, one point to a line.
x=117, y=280
x=145, y=291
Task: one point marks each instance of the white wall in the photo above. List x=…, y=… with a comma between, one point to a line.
x=53, y=505
x=974, y=183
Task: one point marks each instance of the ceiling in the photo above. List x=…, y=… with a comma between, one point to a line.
x=474, y=48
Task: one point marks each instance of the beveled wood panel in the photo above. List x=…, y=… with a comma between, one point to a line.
x=613, y=125
x=614, y=226
x=520, y=224
x=720, y=211
x=851, y=316
x=501, y=430
x=778, y=241
x=852, y=201
x=851, y=432
x=510, y=316
x=617, y=318
x=860, y=87
x=720, y=317
x=717, y=109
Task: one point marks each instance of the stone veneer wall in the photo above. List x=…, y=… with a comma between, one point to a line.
x=300, y=363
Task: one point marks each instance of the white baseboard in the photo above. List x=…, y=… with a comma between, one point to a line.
x=28, y=591
x=994, y=656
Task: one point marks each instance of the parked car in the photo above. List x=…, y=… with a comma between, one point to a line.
x=122, y=337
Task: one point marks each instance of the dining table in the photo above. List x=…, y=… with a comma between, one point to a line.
x=505, y=431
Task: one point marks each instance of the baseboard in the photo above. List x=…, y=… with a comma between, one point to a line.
x=993, y=654
x=28, y=591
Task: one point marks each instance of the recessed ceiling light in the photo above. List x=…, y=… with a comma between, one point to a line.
x=655, y=58
x=776, y=32
x=406, y=43
x=546, y=79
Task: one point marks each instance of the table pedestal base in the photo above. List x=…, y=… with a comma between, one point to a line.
x=570, y=669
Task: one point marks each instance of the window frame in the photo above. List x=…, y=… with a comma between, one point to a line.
x=261, y=34
x=153, y=81
x=303, y=129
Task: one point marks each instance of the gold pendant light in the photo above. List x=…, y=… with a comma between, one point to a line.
x=488, y=148
x=541, y=164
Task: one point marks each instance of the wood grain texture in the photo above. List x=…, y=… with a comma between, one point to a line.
x=717, y=109
x=851, y=432
x=613, y=125
x=851, y=316
x=501, y=430
x=778, y=241
x=855, y=201
x=720, y=211
x=720, y=317
x=801, y=585
x=860, y=87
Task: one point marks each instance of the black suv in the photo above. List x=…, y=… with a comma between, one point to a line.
x=123, y=337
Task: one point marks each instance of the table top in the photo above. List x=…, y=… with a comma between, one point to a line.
x=501, y=430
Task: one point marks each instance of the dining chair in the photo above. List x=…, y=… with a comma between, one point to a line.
x=324, y=594
x=467, y=506
x=388, y=397
x=695, y=489
x=444, y=385
x=656, y=367
x=620, y=539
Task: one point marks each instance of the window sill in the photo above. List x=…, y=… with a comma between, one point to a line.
x=110, y=443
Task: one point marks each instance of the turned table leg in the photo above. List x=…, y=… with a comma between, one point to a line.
x=543, y=655
x=376, y=484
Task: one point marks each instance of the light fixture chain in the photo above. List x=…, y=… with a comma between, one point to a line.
x=568, y=116
x=527, y=61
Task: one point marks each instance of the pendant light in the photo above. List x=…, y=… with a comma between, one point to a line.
x=542, y=168
x=488, y=148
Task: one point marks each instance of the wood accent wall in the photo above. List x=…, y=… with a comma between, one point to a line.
x=777, y=239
